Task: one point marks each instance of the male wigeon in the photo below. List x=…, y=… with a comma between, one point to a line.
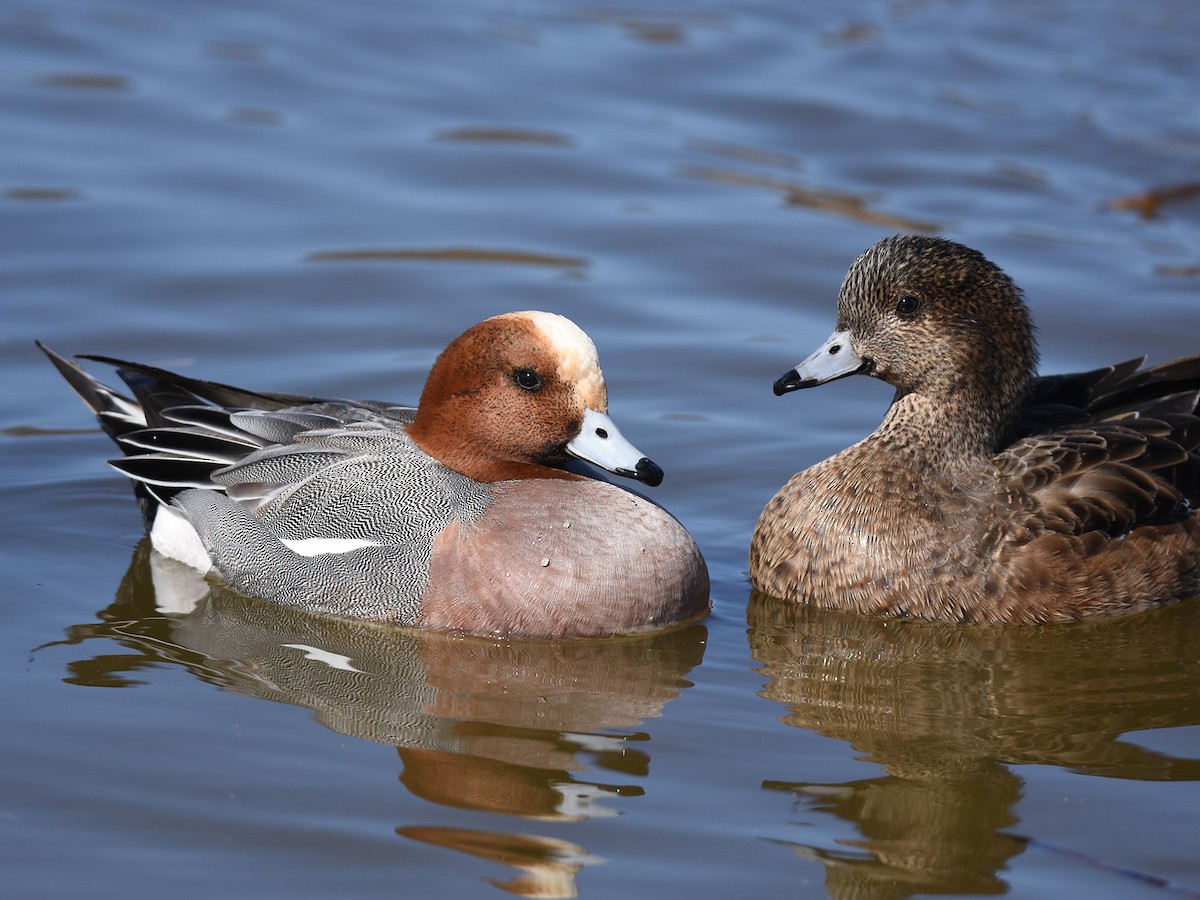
x=457, y=514
x=988, y=494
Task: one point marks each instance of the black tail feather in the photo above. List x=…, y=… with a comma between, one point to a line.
x=162, y=389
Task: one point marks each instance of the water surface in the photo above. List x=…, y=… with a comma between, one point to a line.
x=318, y=197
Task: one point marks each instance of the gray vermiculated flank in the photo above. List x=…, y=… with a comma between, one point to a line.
x=364, y=480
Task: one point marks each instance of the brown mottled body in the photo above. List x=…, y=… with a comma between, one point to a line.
x=987, y=494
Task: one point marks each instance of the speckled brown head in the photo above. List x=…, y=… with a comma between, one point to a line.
x=934, y=318
x=514, y=396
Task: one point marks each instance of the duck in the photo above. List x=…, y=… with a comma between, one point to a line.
x=459, y=514
x=988, y=494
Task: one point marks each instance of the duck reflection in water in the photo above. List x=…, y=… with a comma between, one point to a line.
x=947, y=711
x=501, y=726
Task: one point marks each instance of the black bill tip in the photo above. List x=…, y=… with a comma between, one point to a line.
x=648, y=472
x=790, y=381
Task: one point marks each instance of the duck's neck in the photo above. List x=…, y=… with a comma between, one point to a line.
x=961, y=413
x=944, y=434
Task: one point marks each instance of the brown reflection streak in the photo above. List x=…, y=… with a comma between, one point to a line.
x=656, y=32
x=743, y=153
x=847, y=205
x=854, y=33
x=452, y=254
x=489, y=785
x=42, y=195
x=1178, y=271
x=35, y=431
x=550, y=864
x=1149, y=203
x=946, y=710
x=661, y=29
x=87, y=82
x=504, y=135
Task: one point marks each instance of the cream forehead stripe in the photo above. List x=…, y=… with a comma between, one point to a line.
x=578, y=361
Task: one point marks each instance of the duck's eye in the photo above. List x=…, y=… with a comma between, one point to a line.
x=907, y=305
x=528, y=379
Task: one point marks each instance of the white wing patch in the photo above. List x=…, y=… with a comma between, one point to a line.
x=324, y=546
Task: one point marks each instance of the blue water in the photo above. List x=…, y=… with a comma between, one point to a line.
x=318, y=197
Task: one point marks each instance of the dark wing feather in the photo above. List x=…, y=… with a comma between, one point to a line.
x=1112, y=390
x=117, y=413
x=1070, y=484
x=176, y=431
x=157, y=389
x=1109, y=477
x=191, y=443
x=1079, y=390
x=1148, y=420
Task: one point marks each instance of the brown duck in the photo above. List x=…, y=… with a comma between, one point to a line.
x=988, y=494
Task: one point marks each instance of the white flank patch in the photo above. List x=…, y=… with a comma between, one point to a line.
x=323, y=546
x=174, y=536
x=333, y=660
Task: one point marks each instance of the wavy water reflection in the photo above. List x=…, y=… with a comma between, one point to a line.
x=948, y=711
x=838, y=203
x=548, y=866
x=536, y=729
